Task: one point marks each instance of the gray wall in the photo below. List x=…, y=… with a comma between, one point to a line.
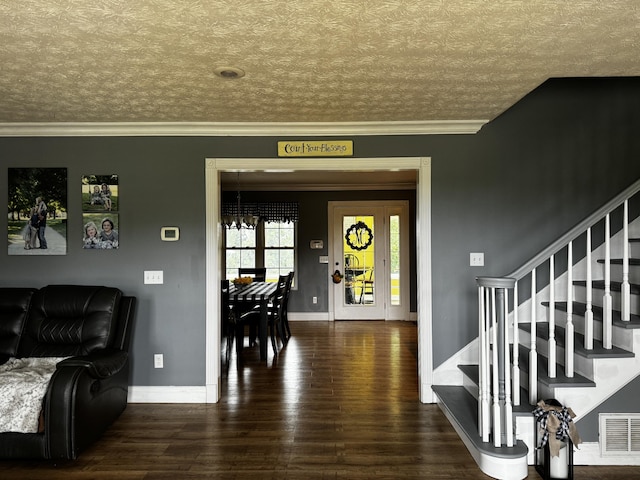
x=625, y=401
x=508, y=191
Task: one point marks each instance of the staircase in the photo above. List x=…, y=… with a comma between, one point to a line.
x=577, y=335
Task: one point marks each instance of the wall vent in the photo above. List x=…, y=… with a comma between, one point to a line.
x=619, y=433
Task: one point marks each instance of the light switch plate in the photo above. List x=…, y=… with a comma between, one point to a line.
x=153, y=277
x=476, y=259
x=158, y=360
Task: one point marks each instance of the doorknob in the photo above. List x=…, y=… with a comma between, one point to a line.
x=337, y=276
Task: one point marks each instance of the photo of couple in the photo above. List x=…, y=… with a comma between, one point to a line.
x=34, y=231
x=100, y=204
x=37, y=218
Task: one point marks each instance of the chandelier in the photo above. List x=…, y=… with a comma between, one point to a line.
x=242, y=216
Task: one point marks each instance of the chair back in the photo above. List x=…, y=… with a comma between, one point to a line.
x=14, y=308
x=279, y=300
x=288, y=289
x=258, y=274
x=70, y=320
x=227, y=321
x=224, y=298
x=351, y=261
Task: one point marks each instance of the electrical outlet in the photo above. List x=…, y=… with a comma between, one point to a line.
x=476, y=259
x=315, y=300
x=158, y=360
x=153, y=277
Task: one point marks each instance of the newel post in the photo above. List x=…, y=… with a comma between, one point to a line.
x=495, y=391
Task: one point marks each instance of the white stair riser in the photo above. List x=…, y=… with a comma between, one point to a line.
x=616, y=273
x=582, y=365
x=581, y=296
x=525, y=432
x=470, y=386
x=620, y=336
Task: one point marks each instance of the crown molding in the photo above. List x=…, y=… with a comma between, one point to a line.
x=238, y=129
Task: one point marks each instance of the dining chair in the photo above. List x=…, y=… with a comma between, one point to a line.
x=258, y=274
x=351, y=272
x=227, y=322
x=277, y=312
x=285, y=317
x=367, y=288
x=351, y=261
x=251, y=319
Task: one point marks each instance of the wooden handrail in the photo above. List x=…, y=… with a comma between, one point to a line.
x=576, y=231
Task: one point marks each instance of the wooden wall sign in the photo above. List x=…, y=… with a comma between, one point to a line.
x=334, y=148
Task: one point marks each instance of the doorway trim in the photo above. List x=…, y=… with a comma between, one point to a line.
x=213, y=248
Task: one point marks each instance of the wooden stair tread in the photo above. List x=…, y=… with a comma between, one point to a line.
x=472, y=372
x=598, y=351
x=580, y=309
x=560, y=380
x=618, y=261
x=615, y=286
x=464, y=408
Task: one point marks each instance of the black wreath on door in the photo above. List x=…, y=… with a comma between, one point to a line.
x=359, y=236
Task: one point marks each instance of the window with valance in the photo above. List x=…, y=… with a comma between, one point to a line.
x=285, y=212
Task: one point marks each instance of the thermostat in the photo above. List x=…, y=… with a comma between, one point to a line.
x=170, y=234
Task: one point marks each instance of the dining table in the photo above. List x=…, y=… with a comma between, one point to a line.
x=255, y=293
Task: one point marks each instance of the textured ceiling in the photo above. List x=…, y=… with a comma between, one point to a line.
x=305, y=60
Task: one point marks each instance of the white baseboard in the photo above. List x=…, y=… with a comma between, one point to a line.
x=589, y=454
x=324, y=316
x=308, y=316
x=170, y=394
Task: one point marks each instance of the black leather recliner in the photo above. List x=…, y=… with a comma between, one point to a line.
x=88, y=391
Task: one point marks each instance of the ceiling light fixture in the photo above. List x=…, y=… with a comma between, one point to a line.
x=229, y=72
x=242, y=216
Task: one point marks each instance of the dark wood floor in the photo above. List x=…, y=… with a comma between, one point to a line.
x=339, y=402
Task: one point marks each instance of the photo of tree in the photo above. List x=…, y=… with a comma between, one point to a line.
x=37, y=211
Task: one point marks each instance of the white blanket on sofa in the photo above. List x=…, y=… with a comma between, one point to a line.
x=23, y=383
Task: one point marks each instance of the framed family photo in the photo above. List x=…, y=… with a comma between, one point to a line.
x=100, y=205
x=37, y=217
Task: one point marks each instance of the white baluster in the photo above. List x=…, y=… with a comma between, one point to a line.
x=552, y=319
x=588, y=314
x=569, y=339
x=508, y=408
x=516, y=352
x=497, y=432
x=533, y=351
x=483, y=363
x=487, y=366
x=626, y=288
x=607, y=305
